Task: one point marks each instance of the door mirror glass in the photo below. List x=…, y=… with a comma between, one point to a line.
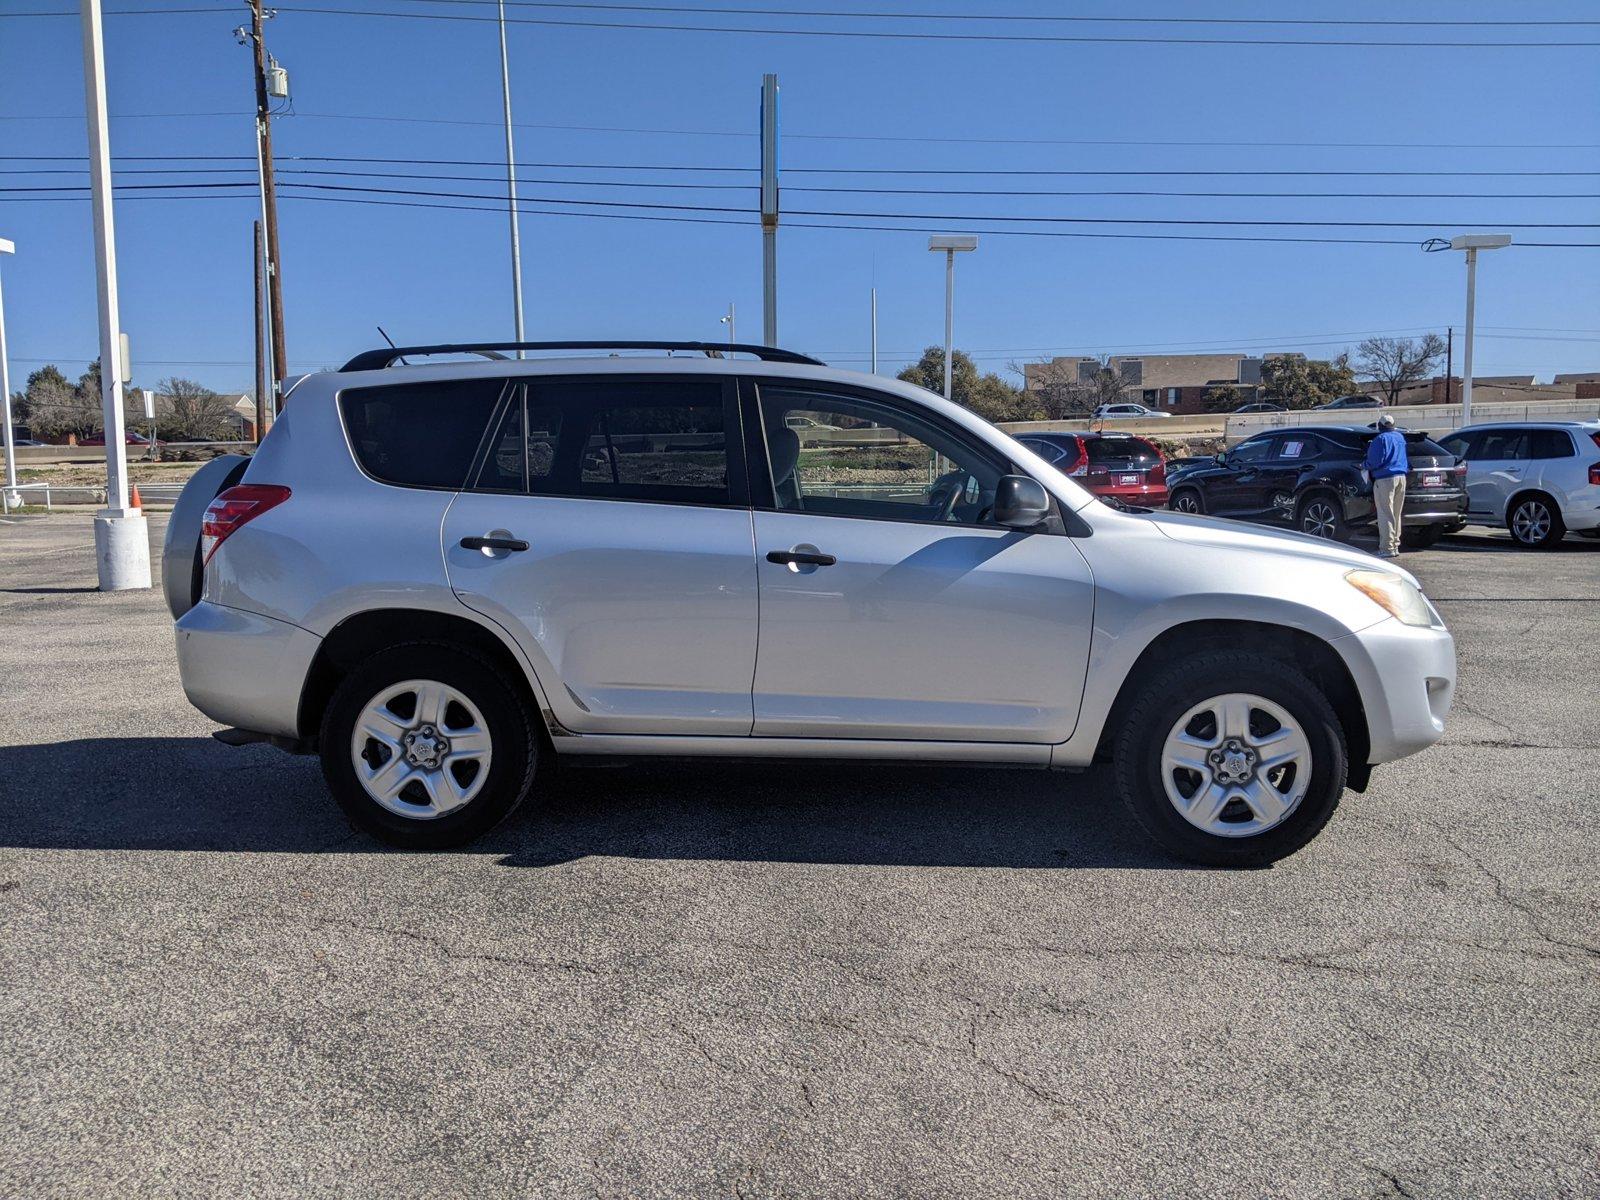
x=1222, y=458
x=1020, y=502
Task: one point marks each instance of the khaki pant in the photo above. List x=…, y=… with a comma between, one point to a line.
x=1390, y=497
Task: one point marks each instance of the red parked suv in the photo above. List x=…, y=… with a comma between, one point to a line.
x=1114, y=465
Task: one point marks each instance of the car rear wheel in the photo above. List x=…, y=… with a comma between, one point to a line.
x=426, y=745
x=1536, y=523
x=1186, y=501
x=1321, y=515
x=1231, y=758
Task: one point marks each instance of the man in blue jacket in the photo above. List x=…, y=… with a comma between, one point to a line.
x=1387, y=464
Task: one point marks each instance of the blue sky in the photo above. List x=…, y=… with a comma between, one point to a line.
x=631, y=97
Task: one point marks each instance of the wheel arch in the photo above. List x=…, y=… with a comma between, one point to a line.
x=1316, y=657
x=360, y=635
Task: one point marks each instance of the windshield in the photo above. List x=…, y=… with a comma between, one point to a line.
x=1122, y=450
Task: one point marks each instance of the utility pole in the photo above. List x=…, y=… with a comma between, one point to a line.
x=874, y=331
x=261, y=362
x=121, y=535
x=511, y=183
x=269, y=191
x=1449, y=361
x=769, y=209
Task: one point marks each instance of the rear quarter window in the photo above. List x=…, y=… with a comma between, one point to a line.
x=423, y=434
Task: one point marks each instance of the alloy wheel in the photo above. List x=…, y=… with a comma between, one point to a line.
x=421, y=749
x=1185, y=503
x=1530, y=523
x=1319, y=519
x=1236, y=765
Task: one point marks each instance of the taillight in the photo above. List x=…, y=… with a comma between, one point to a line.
x=1594, y=468
x=1158, y=473
x=1080, y=465
x=233, y=509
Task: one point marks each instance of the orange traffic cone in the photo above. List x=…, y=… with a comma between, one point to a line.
x=133, y=498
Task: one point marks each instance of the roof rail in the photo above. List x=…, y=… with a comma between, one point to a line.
x=377, y=360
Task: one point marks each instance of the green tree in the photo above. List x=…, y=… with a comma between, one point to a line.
x=1223, y=398
x=990, y=396
x=1295, y=381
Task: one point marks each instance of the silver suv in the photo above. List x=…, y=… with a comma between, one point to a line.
x=1538, y=479
x=441, y=577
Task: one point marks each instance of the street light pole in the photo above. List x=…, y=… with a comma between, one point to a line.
x=511, y=182
x=1471, y=243
x=728, y=320
x=12, y=495
x=121, y=538
x=951, y=244
x=874, y=331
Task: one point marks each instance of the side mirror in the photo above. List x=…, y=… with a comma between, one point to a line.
x=1020, y=502
x=1222, y=458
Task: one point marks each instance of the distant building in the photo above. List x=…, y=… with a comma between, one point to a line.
x=1175, y=383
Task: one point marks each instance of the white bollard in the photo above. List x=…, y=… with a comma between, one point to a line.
x=122, y=549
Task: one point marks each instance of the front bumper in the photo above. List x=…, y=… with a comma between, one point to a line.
x=1407, y=677
x=243, y=669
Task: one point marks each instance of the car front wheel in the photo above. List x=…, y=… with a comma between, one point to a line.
x=426, y=745
x=1231, y=758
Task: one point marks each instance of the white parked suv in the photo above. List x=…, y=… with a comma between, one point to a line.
x=1538, y=479
x=440, y=577
x=1127, y=412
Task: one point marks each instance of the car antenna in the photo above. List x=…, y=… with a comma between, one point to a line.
x=392, y=346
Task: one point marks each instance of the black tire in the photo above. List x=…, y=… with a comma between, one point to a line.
x=1322, y=515
x=1534, y=522
x=506, y=713
x=1187, y=500
x=1420, y=537
x=1168, y=695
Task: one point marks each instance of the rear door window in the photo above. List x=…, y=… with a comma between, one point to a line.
x=1549, y=443
x=423, y=434
x=1048, y=451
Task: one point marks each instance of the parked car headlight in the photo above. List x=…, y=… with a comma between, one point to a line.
x=1398, y=597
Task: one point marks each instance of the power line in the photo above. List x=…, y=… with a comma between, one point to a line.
x=792, y=135
x=874, y=34
x=1019, y=17
x=896, y=171
x=1018, y=193
x=962, y=218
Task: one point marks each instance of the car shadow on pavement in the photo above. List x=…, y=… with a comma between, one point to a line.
x=195, y=794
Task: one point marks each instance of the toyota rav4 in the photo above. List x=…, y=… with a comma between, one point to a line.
x=442, y=576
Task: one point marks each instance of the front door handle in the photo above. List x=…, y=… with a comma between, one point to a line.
x=801, y=558
x=493, y=543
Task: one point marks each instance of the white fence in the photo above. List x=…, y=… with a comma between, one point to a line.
x=52, y=494
x=1429, y=418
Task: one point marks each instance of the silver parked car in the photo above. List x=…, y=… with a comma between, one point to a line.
x=440, y=577
x=1538, y=479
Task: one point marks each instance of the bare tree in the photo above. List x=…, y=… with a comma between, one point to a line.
x=191, y=411
x=1396, y=363
x=1057, y=389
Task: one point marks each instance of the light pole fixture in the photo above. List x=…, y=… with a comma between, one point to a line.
x=1471, y=243
x=13, y=496
x=951, y=244
x=728, y=320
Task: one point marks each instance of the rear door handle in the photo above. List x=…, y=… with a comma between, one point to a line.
x=493, y=543
x=800, y=558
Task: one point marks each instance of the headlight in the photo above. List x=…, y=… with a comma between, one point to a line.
x=1397, y=597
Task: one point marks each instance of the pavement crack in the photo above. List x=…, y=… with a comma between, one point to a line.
x=451, y=952
x=1504, y=894
x=1392, y=1184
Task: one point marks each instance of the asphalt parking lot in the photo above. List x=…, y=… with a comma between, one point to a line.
x=734, y=980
